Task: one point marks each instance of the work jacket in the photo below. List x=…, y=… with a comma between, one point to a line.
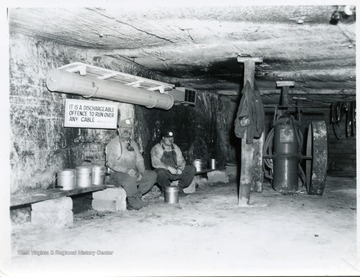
x=251, y=107
x=120, y=159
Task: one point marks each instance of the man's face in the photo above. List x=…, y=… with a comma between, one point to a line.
x=125, y=133
x=168, y=140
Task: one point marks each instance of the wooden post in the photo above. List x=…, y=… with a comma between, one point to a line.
x=251, y=174
x=285, y=85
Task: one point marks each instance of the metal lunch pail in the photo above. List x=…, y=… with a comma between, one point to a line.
x=83, y=176
x=66, y=179
x=198, y=164
x=98, y=175
x=172, y=195
x=213, y=164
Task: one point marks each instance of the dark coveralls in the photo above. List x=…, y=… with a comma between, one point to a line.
x=169, y=157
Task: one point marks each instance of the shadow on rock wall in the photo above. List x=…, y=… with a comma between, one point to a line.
x=202, y=131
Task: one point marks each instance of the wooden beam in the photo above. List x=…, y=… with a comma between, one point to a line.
x=253, y=60
x=285, y=83
x=297, y=91
x=24, y=199
x=227, y=92
x=251, y=174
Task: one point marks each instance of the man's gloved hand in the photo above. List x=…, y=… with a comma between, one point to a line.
x=132, y=172
x=139, y=177
x=172, y=170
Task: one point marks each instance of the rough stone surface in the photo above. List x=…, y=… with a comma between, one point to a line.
x=52, y=219
x=111, y=199
x=20, y=215
x=298, y=42
x=197, y=128
x=207, y=233
x=52, y=213
x=53, y=205
x=109, y=205
x=217, y=177
x=200, y=181
x=191, y=188
x=231, y=171
x=109, y=194
x=40, y=146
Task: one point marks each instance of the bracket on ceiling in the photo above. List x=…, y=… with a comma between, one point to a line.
x=92, y=81
x=124, y=78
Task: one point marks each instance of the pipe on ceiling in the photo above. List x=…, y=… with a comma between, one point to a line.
x=87, y=86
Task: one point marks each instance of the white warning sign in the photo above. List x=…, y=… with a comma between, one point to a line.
x=90, y=114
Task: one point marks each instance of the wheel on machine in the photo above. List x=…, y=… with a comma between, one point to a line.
x=316, y=147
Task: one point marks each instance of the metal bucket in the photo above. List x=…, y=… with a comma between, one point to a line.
x=198, y=164
x=98, y=175
x=172, y=195
x=66, y=179
x=83, y=176
x=213, y=164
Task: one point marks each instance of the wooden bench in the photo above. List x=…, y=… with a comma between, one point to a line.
x=38, y=196
x=42, y=195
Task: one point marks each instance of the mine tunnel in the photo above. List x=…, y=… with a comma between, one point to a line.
x=181, y=140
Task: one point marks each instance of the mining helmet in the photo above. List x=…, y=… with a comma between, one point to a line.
x=168, y=134
x=126, y=123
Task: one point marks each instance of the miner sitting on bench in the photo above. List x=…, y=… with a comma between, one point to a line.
x=170, y=165
x=127, y=167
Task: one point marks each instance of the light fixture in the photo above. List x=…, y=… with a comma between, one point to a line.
x=348, y=10
x=345, y=14
x=335, y=17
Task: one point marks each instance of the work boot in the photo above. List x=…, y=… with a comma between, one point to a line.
x=182, y=193
x=162, y=194
x=134, y=203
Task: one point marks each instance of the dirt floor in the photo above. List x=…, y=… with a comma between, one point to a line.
x=205, y=234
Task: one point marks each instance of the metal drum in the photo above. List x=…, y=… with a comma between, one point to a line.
x=198, y=164
x=66, y=179
x=98, y=175
x=172, y=195
x=286, y=156
x=83, y=176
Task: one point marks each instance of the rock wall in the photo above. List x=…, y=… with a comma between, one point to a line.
x=40, y=145
x=228, y=143
x=195, y=128
x=204, y=131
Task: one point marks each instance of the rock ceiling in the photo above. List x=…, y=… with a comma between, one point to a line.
x=198, y=46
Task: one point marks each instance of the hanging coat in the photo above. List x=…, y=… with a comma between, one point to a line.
x=250, y=117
